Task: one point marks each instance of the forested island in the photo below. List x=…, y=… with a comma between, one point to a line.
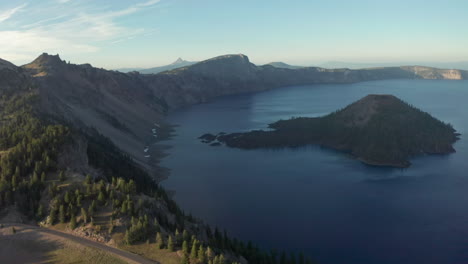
x=379, y=130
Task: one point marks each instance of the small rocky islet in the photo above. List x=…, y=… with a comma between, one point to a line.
x=379, y=130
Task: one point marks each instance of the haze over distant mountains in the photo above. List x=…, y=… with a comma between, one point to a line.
x=279, y=64
x=176, y=64
x=179, y=63
x=460, y=65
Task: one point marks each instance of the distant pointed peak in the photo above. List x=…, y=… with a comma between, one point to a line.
x=178, y=61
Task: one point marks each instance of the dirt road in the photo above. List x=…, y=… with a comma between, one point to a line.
x=124, y=255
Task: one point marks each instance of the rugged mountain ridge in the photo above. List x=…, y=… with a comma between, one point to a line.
x=117, y=105
x=127, y=107
x=236, y=74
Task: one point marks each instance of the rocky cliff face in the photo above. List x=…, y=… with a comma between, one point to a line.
x=117, y=105
x=202, y=81
x=235, y=74
x=433, y=73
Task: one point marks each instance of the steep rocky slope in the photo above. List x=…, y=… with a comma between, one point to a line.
x=118, y=105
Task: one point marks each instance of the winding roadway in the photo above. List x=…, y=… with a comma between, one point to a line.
x=124, y=255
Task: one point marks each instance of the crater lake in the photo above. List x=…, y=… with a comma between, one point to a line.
x=319, y=201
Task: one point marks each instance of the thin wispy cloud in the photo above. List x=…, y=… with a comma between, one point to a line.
x=148, y=3
x=80, y=27
x=6, y=14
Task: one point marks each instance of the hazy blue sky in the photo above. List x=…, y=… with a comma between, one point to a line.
x=143, y=33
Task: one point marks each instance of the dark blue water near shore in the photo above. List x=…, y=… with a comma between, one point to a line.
x=320, y=201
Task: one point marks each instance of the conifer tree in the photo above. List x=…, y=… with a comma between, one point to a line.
x=123, y=209
x=52, y=216
x=185, y=249
x=73, y=222
x=185, y=236
x=177, y=237
x=129, y=207
x=170, y=244
x=221, y=259
x=101, y=197
x=210, y=254
x=159, y=241
x=14, y=182
x=40, y=211
x=78, y=200
x=193, y=252
x=84, y=215
x=35, y=178
x=62, y=214
x=184, y=259
x=88, y=179
x=66, y=197
x=156, y=225
x=201, y=254
x=127, y=238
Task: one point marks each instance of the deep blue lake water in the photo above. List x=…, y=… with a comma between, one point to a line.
x=322, y=202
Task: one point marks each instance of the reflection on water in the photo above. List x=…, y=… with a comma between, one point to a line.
x=318, y=200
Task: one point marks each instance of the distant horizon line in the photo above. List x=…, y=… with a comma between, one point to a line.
x=323, y=64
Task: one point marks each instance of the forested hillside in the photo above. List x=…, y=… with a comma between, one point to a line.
x=70, y=177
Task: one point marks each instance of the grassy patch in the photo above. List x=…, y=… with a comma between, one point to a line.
x=80, y=254
x=149, y=251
